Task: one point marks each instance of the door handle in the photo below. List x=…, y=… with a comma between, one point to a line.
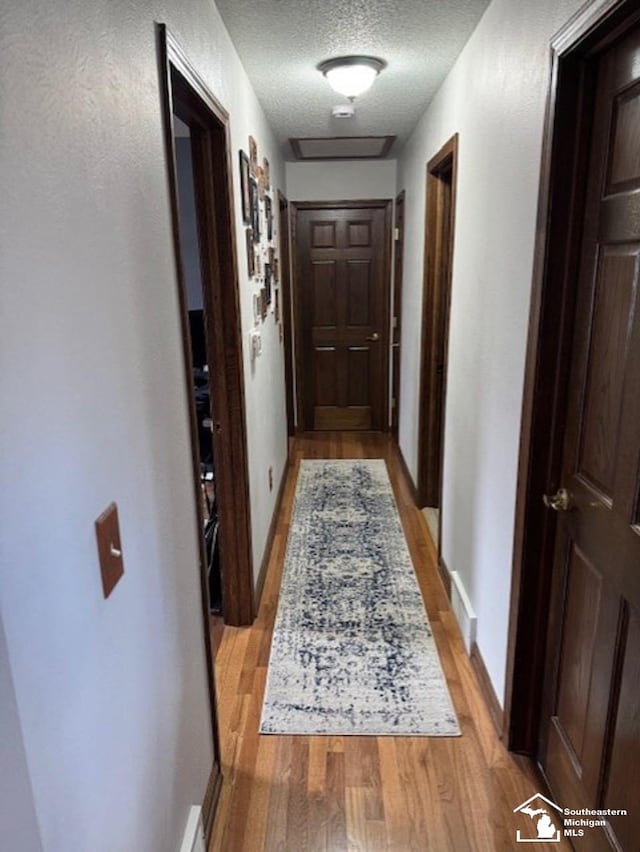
x=374, y=336
x=561, y=501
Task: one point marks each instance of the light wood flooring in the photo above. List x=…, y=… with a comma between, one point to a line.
x=372, y=794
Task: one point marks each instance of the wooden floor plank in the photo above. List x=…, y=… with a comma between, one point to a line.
x=371, y=794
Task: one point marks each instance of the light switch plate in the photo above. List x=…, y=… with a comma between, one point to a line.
x=109, y=548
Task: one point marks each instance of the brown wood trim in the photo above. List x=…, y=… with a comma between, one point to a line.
x=406, y=472
x=487, y=690
x=563, y=166
x=396, y=333
x=164, y=41
x=266, y=556
x=285, y=290
x=186, y=93
x=210, y=800
x=363, y=203
x=445, y=574
x=296, y=312
x=375, y=203
x=386, y=319
x=295, y=141
x=430, y=490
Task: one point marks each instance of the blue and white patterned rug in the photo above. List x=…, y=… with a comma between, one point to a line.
x=352, y=649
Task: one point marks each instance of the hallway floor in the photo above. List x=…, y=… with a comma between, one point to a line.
x=373, y=794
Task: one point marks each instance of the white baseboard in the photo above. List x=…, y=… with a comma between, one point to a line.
x=193, y=840
x=463, y=611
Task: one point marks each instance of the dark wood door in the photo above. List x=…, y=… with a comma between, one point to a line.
x=590, y=743
x=397, y=315
x=343, y=294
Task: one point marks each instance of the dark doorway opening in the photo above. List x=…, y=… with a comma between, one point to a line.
x=200, y=348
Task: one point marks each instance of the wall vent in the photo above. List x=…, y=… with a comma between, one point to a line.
x=193, y=840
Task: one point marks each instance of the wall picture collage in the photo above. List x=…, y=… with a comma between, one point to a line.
x=258, y=216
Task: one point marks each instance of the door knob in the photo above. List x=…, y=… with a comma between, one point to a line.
x=561, y=501
x=374, y=336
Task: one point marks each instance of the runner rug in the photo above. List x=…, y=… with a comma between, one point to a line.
x=352, y=649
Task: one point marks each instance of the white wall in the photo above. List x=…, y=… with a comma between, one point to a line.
x=345, y=180
x=111, y=696
x=494, y=97
x=17, y=812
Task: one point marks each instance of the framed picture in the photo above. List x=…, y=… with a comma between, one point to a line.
x=244, y=188
x=267, y=282
x=261, y=187
x=276, y=304
x=268, y=214
x=255, y=209
x=258, y=265
x=275, y=270
x=253, y=156
x=272, y=257
x=263, y=303
x=267, y=177
x=257, y=308
x=251, y=258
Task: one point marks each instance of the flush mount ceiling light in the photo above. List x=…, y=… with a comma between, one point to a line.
x=351, y=75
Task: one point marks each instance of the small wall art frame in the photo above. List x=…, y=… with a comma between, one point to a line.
x=268, y=214
x=244, y=188
x=255, y=209
x=251, y=257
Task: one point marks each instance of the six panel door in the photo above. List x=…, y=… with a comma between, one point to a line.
x=590, y=744
x=343, y=293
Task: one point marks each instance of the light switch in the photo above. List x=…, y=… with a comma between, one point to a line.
x=109, y=548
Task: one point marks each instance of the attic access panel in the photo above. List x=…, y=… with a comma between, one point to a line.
x=342, y=147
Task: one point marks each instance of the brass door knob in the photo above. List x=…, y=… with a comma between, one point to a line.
x=561, y=501
x=374, y=336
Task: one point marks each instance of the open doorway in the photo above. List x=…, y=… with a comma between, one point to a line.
x=201, y=198
x=200, y=347
x=440, y=228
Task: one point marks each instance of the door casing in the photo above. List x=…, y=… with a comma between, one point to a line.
x=185, y=94
x=442, y=172
x=559, y=221
x=285, y=308
x=396, y=321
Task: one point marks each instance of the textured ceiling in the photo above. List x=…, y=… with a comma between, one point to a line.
x=280, y=43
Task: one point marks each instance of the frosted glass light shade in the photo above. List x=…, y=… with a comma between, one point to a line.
x=352, y=80
x=351, y=75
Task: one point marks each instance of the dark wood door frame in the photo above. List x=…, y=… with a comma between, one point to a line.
x=561, y=197
x=387, y=205
x=285, y=291
x=186, y=95
x=441, y=181
x=396, y=319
